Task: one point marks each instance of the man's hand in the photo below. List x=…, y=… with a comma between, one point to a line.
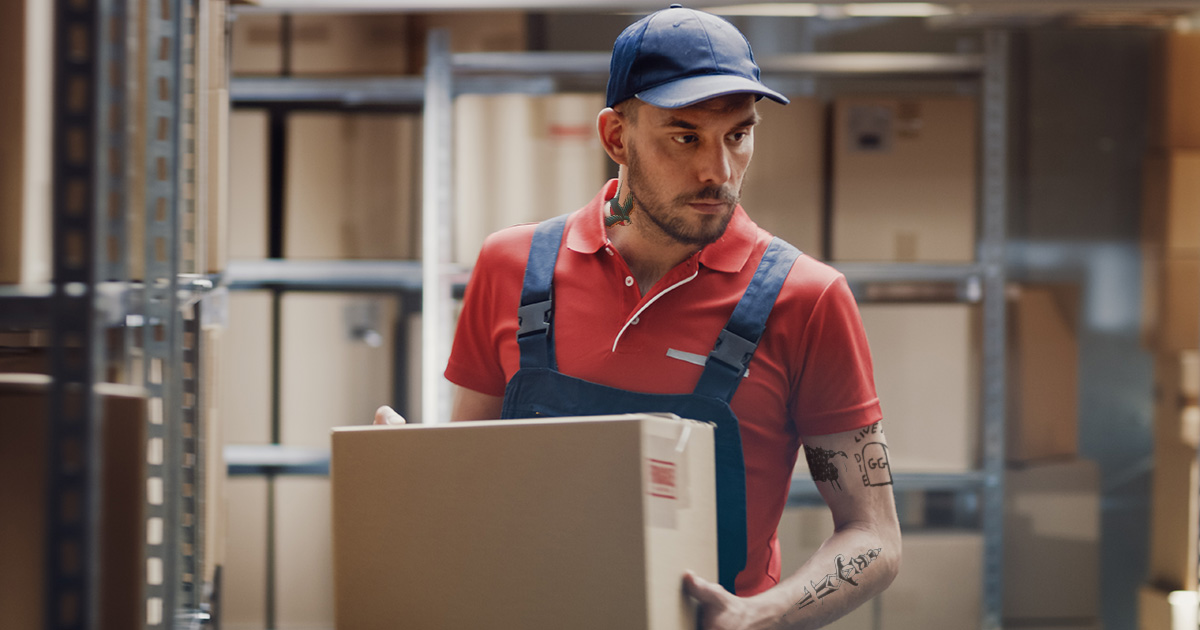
x=387, y=415
x=720, y=609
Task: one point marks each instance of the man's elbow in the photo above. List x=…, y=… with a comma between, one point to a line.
x=890, y=536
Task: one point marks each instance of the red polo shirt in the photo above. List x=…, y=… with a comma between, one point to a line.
x=811, y=374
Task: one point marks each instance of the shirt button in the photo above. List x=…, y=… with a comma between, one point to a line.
x=636, y=320
x=628, y=281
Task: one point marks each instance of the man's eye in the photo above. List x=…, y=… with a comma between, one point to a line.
x=738, y=136
x=685, y=139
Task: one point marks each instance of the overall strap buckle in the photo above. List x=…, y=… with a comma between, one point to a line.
x=534, y=318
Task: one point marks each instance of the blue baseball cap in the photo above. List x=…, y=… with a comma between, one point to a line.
x=678, y=57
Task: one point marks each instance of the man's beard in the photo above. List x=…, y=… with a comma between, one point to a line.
x=670, y=217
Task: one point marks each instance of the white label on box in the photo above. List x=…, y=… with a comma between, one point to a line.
x=665, y=475
x=870, y=128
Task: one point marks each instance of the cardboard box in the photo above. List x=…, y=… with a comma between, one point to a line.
x=1051, y=536
x=215, y=209
x=1171, y=301
x=26, y=40
x=244, y=575
x=1043, y=377
x=304, y=581
x=926, y=362
x=336, y=363
x=904, y=179
x=23, y=423
x=1166, y=610
x=352, y=44
x=1174, y=511
x=351, y=186
x=214, y=495
x=1174, y=93
x=470, y=31
x=1171, y=201
x=542, y=151
x=248, y=166
x=784, y=187
x=532, y=524
x=952, y=559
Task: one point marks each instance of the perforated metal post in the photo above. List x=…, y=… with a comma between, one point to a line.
x=161, y=334
x=82, y=97
x=436, y=308
x=991, y=253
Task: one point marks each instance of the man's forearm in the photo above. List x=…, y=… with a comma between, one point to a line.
x=851, y=567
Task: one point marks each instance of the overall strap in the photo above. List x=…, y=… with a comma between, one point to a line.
x=730, y=356
x=535, y=332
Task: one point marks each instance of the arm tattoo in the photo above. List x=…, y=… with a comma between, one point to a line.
x=873, y=464
x=820, y=464
x=846, y=572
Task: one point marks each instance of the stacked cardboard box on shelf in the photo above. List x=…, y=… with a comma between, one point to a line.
x=904, y=179
x=25, y=111
x=364, y=44
x=784, y=187
x=1171, y=317
x=23, y=450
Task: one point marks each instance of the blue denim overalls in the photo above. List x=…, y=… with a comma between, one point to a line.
x=539, y=389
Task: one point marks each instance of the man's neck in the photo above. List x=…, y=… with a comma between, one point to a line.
x=649, y=252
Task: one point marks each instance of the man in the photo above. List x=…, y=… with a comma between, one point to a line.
x=662, y=295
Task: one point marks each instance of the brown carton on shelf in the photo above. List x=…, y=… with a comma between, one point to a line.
x=904, y=179
x=930, y=414
x=1043, y=372
x=1051, y=536
x=1170, y=301
x=26, y=43
x=575, y=523
x=1171, y=201
x=1175, y=93
x=23, y=486
x=784, y=188
x=1166, y=610
x=1175, y=488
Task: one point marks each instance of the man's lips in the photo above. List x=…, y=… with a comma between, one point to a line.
x=710, y=207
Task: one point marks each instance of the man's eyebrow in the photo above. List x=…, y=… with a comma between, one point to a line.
x=680, y=123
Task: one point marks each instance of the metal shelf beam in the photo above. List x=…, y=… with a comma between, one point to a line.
x=346, y=276
x=804, y=490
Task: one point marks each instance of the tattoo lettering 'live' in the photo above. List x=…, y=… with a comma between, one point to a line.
x=820, y=464
x=874, y=429
x=847, y=572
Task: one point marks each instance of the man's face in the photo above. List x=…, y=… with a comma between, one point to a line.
x=686, y=166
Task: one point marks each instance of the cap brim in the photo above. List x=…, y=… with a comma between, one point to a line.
x=692, y=90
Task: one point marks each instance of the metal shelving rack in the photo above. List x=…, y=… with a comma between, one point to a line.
x=96, y=73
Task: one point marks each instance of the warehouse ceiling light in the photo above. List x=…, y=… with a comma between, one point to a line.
x=855, y=9
x=784, y=9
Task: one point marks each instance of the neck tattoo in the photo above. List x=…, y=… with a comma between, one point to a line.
x=618, y=214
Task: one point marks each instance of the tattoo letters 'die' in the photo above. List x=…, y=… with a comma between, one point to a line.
x=846, y=572
x=820, y=464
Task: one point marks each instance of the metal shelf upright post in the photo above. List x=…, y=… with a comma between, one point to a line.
x=982, y=281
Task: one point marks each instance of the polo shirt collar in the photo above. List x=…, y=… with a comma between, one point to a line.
x=586, y=234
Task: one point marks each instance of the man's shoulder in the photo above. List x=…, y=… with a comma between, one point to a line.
x=507, y=246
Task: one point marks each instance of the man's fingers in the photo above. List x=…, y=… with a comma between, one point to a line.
x=702, y=590
x=387, y=415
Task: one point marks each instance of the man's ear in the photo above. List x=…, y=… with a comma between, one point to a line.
x=612, y=127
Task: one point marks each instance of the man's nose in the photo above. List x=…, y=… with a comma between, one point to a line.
x=714, y=165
